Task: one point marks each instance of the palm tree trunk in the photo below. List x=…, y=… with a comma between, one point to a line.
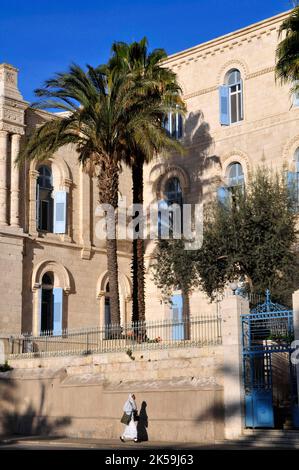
x=112, y=268
x=138, y=300
x=108, y=194
x=186, y=314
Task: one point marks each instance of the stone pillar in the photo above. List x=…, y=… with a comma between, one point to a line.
x=15, y=190
x=231, y=308
x=3, y=181
x=85, y=220
x=296, y=327
x=33, y=175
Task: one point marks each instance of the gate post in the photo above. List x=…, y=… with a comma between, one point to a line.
x=231, y=308
x=296, y=327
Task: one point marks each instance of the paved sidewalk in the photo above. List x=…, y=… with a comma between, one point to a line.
x=60, y=443
x=111, y=444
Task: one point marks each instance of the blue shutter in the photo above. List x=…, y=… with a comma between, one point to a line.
x=177, y=317
x=296, y=94
x=57, y=310
x=223, y=195
x=224, y=105
x=296, y=98
x=60, y=212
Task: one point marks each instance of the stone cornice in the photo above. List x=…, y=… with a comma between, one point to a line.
x=12, y=129
x=228, y=41
x=76, y=246
x=248, y=127
x=203, y=91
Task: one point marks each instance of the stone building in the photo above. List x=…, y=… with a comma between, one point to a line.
x=53, y=267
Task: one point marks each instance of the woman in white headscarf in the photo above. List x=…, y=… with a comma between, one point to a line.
x=130, y=431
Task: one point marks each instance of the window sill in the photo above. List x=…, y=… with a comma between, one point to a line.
x=234, y=124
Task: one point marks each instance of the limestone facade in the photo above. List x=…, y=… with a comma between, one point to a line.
x=265, y=131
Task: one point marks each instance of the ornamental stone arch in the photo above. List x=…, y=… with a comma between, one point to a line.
x=61, y=276
x=125, y=296
x=61, y=171
x=236, y=156
x=161, y=174
x=232, y=64
x=288, y=153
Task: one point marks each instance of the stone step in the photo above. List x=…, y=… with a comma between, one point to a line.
x=259, y=443
x=271, y=432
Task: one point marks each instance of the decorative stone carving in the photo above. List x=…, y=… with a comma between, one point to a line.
x=12, y=106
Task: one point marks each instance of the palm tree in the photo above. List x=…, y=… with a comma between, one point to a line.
x=287, y=52
x=100, y=114
x=155, y=85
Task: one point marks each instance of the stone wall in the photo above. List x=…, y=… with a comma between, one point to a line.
x=11, y=269
x=84, y=396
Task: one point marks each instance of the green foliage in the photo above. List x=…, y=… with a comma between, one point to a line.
x=173, y=268
x=252, y=236
x=129, y=352
x=284, y=339
x=287, y=65
x=5, y=367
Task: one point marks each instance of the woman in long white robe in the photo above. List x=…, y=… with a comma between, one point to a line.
x=130, y=431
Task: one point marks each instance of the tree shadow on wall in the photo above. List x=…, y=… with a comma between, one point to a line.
x=198, y=141
x=31, y=421
x=196, y=160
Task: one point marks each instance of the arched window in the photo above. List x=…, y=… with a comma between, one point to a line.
x=173, y=191
x=170, y=219
x=234, y=181
x=231, y=98
x=44, y=209
x=46, y=321
x=235, y=175
x=107, y=305
x=107, y=319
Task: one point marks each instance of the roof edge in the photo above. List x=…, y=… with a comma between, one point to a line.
x=220, y=39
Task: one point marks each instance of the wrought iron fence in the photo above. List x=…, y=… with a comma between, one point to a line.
x=200, y=331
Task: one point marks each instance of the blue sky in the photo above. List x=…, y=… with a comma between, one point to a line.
x=42, y=37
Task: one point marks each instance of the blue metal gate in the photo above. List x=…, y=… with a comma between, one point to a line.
x=267, y=331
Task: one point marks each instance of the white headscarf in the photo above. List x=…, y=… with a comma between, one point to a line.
x=130, y=405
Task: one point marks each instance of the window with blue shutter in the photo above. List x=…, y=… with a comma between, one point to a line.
x=44, y=200
x=224, y=105
x=231, y=98
x=57, y=310
x=60, y=204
